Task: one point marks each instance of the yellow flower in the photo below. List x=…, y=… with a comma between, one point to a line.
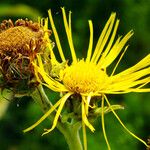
x=88, y=77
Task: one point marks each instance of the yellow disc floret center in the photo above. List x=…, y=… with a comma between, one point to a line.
x=83, y=77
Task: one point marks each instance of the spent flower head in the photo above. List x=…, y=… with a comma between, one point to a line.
x=19, y=44
x=85, y=82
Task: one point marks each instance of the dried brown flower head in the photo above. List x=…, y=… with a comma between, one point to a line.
x=19, y=44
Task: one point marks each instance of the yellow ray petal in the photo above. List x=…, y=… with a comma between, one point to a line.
x=105, y=39
x=127, y=87
x=119, y=61
x=123, y=124
x=69, y=36
x=115, y=51
x=62, y=102
x=70, y=23
x=139, y=90
x=125, y=91
x=44, y=23
x=131, y=80
x=147, y=80
x=89, y=52
x=106, y=51
x=103, y=123
x=54, y=84
x=102, y=58
x=145, y=62
x=84, y=118
x=50, y=82
x=102, y=36
x=43, y=117
x=87, y=100
x=56, y=36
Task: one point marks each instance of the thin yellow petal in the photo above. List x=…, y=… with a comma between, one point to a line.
x=69, y=36
x=56, y=36
x=145, y=62
x=106, y=51
x=119, y=61
x=84, y=118
x=126, y=91
x=124, y=125
x=140, y=90
x=100, y=40
x=62, y=102
x=144, y=83
x=132, y=80
x=115, y=51
x=129, y=89
x=43, y=117
x=49, y=43
x=70, y=22
x=87, y=100
x=103, y=123
x=105, y=39
x=51, y=83
x=87, y=103
x=89, y=52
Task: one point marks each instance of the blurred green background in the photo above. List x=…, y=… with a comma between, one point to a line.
x=134, y=14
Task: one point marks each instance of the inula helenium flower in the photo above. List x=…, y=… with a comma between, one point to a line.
x=85, y=82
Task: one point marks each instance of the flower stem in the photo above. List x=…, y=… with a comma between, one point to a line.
x=70, y=131
x=72, y=137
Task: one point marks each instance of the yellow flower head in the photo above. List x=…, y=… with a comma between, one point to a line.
x=88, y=77
x=83, y=77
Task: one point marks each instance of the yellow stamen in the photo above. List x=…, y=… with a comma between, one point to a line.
x=83, y=77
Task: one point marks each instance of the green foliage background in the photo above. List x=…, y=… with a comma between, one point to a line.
x=134, y=14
